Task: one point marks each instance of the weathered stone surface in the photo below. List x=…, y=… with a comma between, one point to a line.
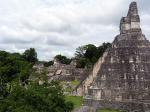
x=63, y=72
x=82, y=89
x=67, y=73
x=123, y=81
x=132, y=21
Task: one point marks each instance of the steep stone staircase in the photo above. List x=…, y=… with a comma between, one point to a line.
x=83, y=87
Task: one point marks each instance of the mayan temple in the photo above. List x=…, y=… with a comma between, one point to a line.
x=123, y=80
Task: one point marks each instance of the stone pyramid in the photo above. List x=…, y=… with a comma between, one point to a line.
x=123, y=80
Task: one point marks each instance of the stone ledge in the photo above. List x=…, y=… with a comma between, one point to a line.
x=125, y=106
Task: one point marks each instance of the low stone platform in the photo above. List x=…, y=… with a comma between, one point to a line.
x=132, y=106
x=85, y=109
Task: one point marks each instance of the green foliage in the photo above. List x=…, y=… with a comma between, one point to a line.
x=63, y=59
x=77, y=100
x=30, y=55
x=36, y=98
x=80, y=51
x=102, y=48
x=19, y=94
x=75, y=82
x=91, y=51
x=81, y=62
x=89, y=54
x=50, y=63
x=12, y=66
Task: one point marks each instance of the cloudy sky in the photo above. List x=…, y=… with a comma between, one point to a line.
x=60, y=26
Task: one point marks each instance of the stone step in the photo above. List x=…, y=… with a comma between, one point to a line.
x=85, y=109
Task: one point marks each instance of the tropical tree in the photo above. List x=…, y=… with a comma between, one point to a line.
x=49, y=63
x=88, y=54
x=63, y=59
x=36, y=98
x=30, y=55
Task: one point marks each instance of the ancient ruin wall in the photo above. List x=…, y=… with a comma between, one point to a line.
x=123, y=80
x=82, y=89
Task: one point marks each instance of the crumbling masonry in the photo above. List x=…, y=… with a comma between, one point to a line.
x=123, y=80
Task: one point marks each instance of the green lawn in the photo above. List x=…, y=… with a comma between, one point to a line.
x=71, y=85
x=77, y=100
x=75, y=82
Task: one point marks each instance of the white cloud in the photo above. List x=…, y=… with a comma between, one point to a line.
x=59, y=26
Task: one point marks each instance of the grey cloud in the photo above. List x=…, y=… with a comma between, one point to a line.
x=56, y=41
x=59, y=26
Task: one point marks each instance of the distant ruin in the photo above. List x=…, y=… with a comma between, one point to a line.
x=122, y=80
x=63, y=72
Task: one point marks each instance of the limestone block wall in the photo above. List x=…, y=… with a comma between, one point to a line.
x=123, y=81
x=85, y=84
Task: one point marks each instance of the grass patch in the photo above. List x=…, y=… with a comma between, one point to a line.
x=77, y=100
x=75, y=82
x=69, y=86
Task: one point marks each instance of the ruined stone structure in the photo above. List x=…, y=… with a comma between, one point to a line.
x=63, y=72
x=123, y=80
x=82, y=88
